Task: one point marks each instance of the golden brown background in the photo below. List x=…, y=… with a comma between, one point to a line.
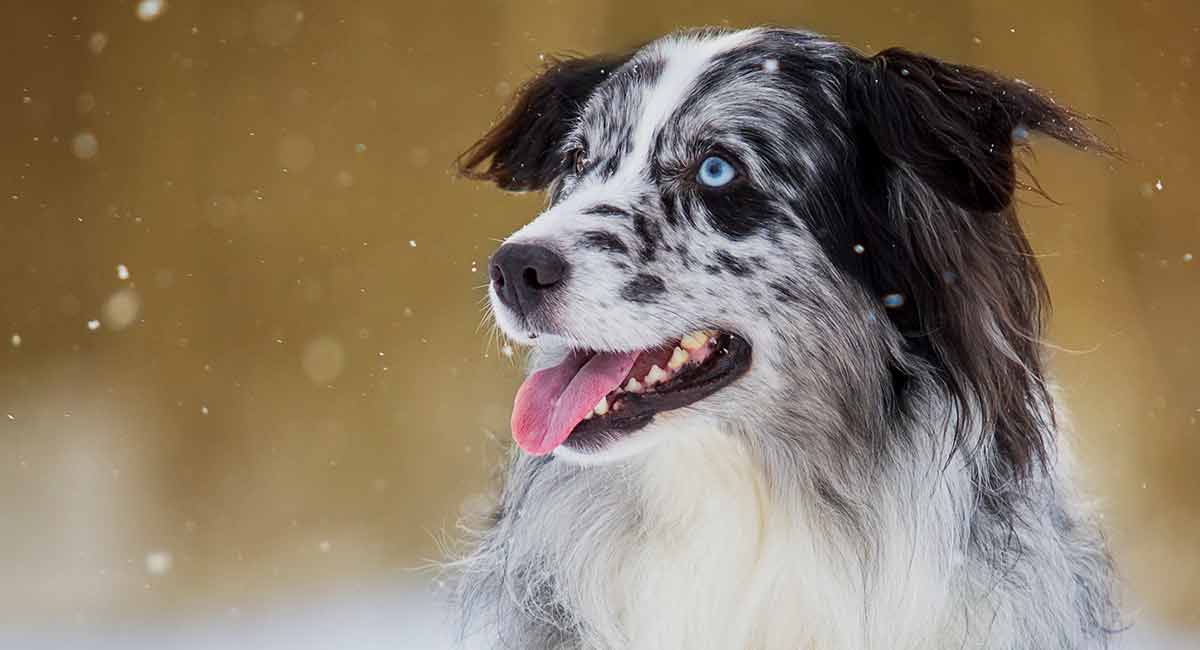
x=287, y=398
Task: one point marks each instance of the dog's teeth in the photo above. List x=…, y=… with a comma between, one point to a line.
x=633, y=386
x=601, y=406
x=693, y=341
x=678, y=358
x=587, y=416
x=656, y=375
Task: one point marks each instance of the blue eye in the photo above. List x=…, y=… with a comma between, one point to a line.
x=715, y=172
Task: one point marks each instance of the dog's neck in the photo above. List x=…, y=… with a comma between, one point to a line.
x=689, y=546
x=722, y=562
x=694, y=544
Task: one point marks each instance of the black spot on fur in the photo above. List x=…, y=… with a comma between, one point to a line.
x=650, y=235
x=606, y=210
x=670, y=212
x=741, y=211
x=685, y=255
x=613, y=163
x=603, y=241
x=712, y=269
x=733, y=264
x=643, y=288
x=787, y=290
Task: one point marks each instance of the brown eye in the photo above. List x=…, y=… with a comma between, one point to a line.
x=579, y=160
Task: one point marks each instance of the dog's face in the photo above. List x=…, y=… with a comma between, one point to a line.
x=724, y=243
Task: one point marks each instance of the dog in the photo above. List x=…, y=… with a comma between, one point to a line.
x=787, y=386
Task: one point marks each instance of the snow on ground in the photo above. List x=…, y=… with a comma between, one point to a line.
x=380, y=619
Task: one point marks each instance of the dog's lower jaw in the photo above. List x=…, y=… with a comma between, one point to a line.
x=617, y=451
x=628, y=447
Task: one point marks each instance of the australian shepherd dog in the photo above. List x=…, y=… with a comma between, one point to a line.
x=787, y=385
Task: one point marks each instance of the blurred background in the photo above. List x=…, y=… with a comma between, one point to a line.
x=243, y=387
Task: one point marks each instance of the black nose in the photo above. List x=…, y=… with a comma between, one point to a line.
x=522, y=275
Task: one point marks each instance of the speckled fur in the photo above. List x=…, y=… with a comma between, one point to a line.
x=865, y=485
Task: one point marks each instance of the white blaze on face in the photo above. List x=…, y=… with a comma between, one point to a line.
x=685, y=59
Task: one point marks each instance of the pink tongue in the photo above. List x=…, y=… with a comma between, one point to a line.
x=552, y=401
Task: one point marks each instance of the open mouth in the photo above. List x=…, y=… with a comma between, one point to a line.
x=592, y=397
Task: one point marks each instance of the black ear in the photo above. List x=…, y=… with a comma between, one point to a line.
x=953, y=126
x=935, y=148
x=522, y=151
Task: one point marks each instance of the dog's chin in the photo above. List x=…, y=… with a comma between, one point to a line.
x=623, y=446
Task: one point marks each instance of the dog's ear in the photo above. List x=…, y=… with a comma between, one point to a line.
x=522, y=151
x=954, y=126
x=937, y=148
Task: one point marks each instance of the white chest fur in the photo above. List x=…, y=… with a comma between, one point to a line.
x=714, y=563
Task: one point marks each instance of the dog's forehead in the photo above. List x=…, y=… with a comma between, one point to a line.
x=640, y=98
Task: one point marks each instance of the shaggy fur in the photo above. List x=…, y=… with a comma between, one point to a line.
x=888, y=473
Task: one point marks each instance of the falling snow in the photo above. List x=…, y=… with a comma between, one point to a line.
x=159, y=563
x=148, y=10
x=324, y=359
x=122, y=272
x=97, y=42
x=122, y=309
x=85, y=145
x=93, y=325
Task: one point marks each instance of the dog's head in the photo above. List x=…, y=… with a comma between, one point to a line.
x=757, y=225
